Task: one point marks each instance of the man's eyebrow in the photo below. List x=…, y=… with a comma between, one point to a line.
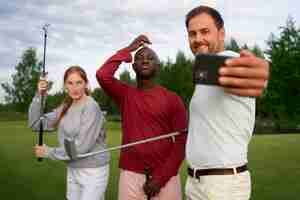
x=202, y=28
x=138, y=55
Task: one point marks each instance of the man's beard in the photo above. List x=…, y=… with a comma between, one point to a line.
x=205, y=48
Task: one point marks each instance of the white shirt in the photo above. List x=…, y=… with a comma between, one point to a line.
x=220, y=127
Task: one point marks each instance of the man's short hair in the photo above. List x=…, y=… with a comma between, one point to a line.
x=144, y=48
x=207, y=10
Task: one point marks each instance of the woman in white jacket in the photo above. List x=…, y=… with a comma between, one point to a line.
x=80, y=120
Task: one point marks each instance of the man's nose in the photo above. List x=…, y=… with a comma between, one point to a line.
x=199, y=38
x=145, y=60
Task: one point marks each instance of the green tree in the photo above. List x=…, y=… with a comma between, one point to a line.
x=257, y=51
x=282, y=99
x=24, y=81
x=55, y=100
x=105, y=102
x=261, y=112
x=178, y=77
x=125, y=76
x=245, y=46
x=232, y=45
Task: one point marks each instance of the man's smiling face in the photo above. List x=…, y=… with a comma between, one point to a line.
x=204, y=36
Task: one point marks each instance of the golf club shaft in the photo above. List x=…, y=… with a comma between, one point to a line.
x=131, y=144
x=43, y=104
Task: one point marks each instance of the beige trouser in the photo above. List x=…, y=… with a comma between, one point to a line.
x=131, y=187
x=219, y=187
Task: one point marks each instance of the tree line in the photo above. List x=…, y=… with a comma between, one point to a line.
x=278, y=107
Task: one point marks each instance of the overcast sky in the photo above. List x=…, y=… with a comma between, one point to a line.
x=86, y=32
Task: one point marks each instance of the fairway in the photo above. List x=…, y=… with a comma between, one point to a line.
x=274, y=162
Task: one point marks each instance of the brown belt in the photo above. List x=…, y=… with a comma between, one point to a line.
x=222, y=171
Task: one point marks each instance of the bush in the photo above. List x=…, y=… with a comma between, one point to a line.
x=113, y=118
x=12, y=116
x=272, y=127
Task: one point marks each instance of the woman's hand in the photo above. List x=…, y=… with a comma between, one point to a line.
x=42, y=86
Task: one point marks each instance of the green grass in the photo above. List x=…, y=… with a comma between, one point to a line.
x=274, y=162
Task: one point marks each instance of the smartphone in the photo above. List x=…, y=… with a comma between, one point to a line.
x=206, y=68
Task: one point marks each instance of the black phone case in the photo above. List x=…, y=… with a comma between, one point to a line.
x=206, y=68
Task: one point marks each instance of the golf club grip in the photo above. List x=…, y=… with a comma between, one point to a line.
x=147, y=174
x=41, y=139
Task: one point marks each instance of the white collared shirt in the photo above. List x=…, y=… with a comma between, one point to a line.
x=220, y=127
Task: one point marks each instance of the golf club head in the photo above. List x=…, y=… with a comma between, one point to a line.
x=70, y=149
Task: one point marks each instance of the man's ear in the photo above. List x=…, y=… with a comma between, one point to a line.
x=222, y=34
x=157, y=66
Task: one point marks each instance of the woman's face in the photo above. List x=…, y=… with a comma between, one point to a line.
x=75, y=86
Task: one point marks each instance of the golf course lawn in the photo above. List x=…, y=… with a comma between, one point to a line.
x=274, y=161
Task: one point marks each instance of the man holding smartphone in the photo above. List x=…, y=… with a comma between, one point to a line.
x=222, y=116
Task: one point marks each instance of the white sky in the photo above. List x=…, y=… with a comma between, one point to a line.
x=87, y=32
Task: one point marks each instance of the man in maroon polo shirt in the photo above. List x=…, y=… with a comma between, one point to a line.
x=147, y=110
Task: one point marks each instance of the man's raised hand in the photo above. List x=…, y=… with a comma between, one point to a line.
x=245, y=76
x=137, y=42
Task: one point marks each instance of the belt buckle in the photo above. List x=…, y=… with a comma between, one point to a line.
x=234, y=170
x=195, y=175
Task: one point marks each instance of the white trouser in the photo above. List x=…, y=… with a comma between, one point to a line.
x=87, y=183
x=219, y=187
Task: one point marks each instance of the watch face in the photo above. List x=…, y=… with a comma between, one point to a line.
x=206, y=68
